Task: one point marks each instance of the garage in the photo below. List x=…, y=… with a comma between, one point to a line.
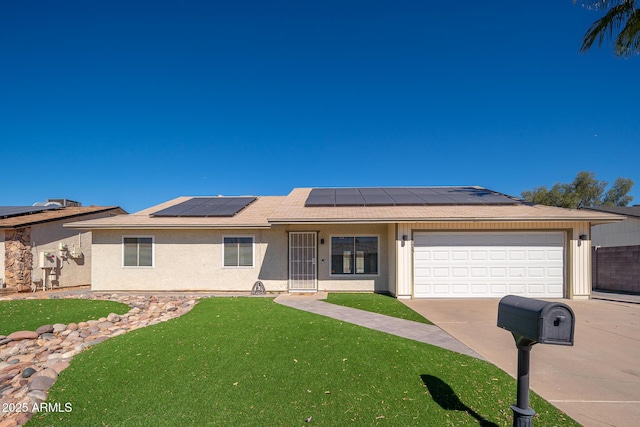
x=488, y=264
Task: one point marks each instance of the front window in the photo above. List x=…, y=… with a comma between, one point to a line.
x=354, y=255
x=138, y=251
x=238, y=251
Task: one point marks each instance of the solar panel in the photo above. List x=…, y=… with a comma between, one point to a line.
x=9, y=211
x=207, y=207
x=402, y=196
x=376, y=197
x=322, y=197
x=431, y=196
x=349, y=197
x=406, y=196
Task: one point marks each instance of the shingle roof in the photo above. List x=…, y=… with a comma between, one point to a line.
x=55, y=215
x=290, y=209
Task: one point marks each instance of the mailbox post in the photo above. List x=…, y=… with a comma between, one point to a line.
x=532, y=321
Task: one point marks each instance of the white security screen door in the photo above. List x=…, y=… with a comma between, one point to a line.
x=302, y=261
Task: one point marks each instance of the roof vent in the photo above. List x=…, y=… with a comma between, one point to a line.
x=64, y=202
x=59, y=202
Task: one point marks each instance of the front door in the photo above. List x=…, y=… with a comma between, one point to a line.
x=302, y=262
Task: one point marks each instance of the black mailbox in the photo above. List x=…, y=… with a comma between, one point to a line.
x=532, y=321
x=537, y=321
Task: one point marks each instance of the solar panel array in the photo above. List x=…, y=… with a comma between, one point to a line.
x=406, y=196
x=9, y=211
x=207, y=207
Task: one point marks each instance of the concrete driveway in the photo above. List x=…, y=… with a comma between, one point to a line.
x=596, y=382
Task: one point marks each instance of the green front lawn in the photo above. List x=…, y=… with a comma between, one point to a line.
x=376, y=303
x=28, y=315
x=250, y=361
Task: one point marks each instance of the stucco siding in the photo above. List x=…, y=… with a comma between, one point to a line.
x=69, y=271
x=188, y=260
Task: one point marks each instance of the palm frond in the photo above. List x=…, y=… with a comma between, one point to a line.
x=628, y=41
x=605, y=27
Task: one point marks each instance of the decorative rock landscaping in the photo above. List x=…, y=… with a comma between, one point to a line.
x=30, y=361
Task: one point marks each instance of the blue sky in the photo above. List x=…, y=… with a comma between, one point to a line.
x=133, y=103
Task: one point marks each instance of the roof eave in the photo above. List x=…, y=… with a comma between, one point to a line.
x=61, y=218
x=79, y=226
x=594, y=221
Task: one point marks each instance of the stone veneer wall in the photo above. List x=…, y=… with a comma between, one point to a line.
x=18, y=259
x=617, y=269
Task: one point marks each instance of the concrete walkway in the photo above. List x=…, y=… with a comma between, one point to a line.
x=403, y=328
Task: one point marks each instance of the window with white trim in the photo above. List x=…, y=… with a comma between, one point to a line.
x=137, y=251
x=238, y=251
x=354, y=255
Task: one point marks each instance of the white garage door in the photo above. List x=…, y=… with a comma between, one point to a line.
x=493, y=264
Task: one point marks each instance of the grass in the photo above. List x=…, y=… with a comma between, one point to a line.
x=376, y=303
x=20, y=315
x=250, y=361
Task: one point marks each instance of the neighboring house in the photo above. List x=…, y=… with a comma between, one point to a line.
x=414, y=242
x=616, y=251
x=39, y=251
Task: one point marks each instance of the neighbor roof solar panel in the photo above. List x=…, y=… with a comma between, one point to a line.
x=9, y=211
x=406, y=196
x=207, y=207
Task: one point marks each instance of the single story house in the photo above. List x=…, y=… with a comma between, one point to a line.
x=39, y=252
x=414, y=242
x=616, y=251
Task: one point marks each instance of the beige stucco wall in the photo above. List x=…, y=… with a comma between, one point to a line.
x=69, y=271
x=192, y=260
x=187, y=260
x=625, y=233
x=577, y=252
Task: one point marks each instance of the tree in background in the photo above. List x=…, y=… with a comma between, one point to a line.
x=621, y=23
x=584, y=191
